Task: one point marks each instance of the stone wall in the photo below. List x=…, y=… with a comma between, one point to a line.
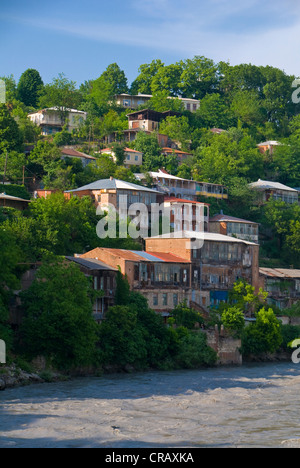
x=226, y=346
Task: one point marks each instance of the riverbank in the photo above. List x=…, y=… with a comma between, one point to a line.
x=14, y=376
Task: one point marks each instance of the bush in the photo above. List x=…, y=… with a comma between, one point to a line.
x=194, y=352
x=263, y=336
x=233, y=319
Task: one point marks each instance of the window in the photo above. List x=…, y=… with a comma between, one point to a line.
x=136, y=157
x=155, y=299
x=184, y=276
x=128, y=157
x=165, y=299
x=175, y=299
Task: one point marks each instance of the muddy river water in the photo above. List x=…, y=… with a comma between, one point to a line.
x=248, y=406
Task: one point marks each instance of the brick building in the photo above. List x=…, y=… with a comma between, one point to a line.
x=171, y=269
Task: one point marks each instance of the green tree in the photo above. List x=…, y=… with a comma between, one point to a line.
x=149, y=146
x=233, y=319
x=122, y=295
x=199, y=77
x=61, y=93
x=58, y=322
x=114, y=75
x=121, y=341
x=264, y=335
x=178, y=129
x=10, y=134
x=167, y=78
x=185, y=316
x=30, y=87
x=194, y=352
x=142, y=84
x=10, y=256
x=10, y=88
x=44, y=159
x=247, y=108
x=13, y=163
x=214, y=112
x=64, y=226
x=244, y=297
x=161, y=102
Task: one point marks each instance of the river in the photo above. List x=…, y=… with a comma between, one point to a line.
x=248, y=406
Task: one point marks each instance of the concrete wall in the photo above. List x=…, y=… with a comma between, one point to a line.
x=226, y=347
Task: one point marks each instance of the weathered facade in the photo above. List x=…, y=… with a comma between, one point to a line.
x=103, y=279
x=53, y=119
x=234, y=227
x=174, y=268
x=164, y=279
x=275, y=190
x=217, y=262
x=108, y=192
x=282, y=286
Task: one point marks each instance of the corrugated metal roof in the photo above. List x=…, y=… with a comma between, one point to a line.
x=113, y=184
x=91, y=263
x=205, y=236
x=77, y=154
x=134, y=255
x=170, y=258
x=146, y=256
x=3, y=196
x=232, y=219
x=285, y=273
x=265, y=184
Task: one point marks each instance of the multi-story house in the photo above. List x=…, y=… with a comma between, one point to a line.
x=217, y=262
x=235, y=227
x=173, y=186
x=282, y=286
x=269, y=145
x=103, y=279
x=70, y=152
x=163, y=278
x=187, y=215
x=275, y=190
x=170, y=185
x=134, y=101
x=181, y=156
x=200, y=268
x=132, y=157
x=209, y=190
x=106, y=192
x=53, y=119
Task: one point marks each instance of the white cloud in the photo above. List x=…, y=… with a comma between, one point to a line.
x=192, y=27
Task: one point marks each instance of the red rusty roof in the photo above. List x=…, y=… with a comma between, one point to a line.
x=169, y=257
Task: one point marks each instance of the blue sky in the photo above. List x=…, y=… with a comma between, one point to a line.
x=81, y=38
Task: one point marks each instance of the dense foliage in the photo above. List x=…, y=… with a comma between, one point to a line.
x=250, y=104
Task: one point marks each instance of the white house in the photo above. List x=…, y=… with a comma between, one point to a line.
x=132, y=157
x=52, y=119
